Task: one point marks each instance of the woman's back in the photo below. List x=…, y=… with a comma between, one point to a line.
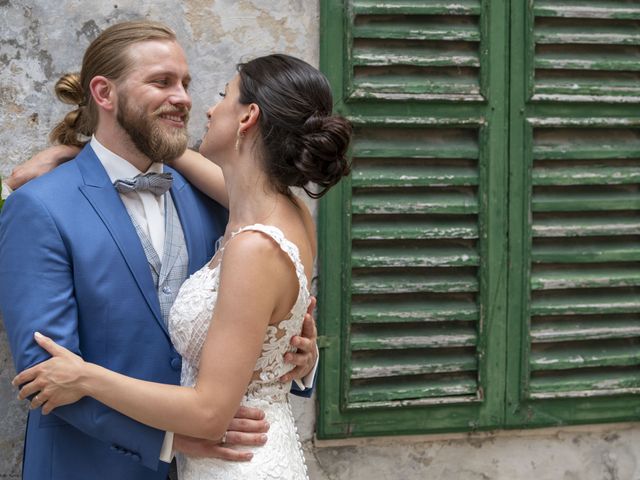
x=189, y=322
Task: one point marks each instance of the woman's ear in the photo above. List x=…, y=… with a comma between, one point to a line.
x=103, y=92
x=249, y=118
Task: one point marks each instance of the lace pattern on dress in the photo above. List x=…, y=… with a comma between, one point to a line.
x=189, y=322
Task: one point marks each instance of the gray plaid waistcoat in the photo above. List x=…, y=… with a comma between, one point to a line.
x=170, y=273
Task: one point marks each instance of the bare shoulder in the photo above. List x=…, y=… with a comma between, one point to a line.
x=251, y=246
x=256, y=252
x=254, y=263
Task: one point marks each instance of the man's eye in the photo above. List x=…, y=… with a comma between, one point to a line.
x=161, y=81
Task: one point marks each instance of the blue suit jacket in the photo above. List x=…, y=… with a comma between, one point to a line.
x=73, y=268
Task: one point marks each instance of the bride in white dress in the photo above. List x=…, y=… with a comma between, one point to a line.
x=273, y=129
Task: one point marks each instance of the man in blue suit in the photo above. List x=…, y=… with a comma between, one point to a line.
x=97, y=268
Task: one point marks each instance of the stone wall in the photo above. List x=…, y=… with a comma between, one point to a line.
x=41, y=39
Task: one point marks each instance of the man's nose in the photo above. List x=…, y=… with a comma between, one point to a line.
x=181, y=97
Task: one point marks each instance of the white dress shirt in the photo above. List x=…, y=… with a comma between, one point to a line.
x=6, y=190
x=147, y=210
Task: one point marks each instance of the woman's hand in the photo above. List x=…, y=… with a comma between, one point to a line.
x=55, y=382
x=306, y=355
x=41, y=163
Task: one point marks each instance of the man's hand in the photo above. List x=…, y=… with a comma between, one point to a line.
x=247, y=428
x=39, y=164
x=306, y=355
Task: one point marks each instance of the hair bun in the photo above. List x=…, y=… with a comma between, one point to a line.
x=69, y=89
x=74, y=125
x=323, y=157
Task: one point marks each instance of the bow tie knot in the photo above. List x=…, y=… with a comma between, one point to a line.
x=156, y=183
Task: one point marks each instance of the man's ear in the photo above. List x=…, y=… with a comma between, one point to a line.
x=103, y=92
x=249, y=118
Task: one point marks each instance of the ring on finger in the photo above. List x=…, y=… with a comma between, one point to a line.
x=224, y=438
x=36, y=399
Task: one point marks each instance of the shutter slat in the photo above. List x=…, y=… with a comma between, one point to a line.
x=409, y=7
x=607, y=35
x=593, y=175
x=402, y=311
x=408, y=202
x=382, y=84
x=568, y=61
x=414, y=176
x=586, y=144
x=587, y=303
x=586, y=226
x=433, y=29
x=601, y=329
x=571, y=356
x=413, y=229
x=575, y=201
x=419, y=363
x=580, y=383
x=611, y=251
x=423, y=57
x=438, y=388
x=379, y=148
x=387, y=338
x=586, y=9
x=376, y=283
x=580, y=89
x=551, y=279
x=371, y=257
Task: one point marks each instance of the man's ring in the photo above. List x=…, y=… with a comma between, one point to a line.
x=36, y=399
x=224, y=438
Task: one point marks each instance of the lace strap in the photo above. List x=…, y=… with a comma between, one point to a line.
x=286, y=245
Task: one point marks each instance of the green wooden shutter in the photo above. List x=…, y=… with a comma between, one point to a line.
x=412, y=246
x=575, y=212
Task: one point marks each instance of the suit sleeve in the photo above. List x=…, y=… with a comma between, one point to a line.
x=304, y=388
x=37, y=294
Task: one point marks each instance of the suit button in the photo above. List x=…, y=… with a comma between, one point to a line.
x=176, y=363
x=166, y=290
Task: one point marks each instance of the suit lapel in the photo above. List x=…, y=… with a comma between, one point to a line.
x=109, y=207
x=187, y=213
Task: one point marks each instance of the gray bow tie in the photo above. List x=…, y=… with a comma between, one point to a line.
x=156, y=183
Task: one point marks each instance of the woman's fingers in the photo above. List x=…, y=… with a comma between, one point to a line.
x=49, y=345
x=25, y=376
x=37, y=400
x=29, y=389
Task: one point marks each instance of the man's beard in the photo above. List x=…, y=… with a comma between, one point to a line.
x=160, y=144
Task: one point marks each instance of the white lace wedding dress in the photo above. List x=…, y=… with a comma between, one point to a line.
x=281, y=458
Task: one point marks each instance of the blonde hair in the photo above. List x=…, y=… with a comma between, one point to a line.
x=106, y=56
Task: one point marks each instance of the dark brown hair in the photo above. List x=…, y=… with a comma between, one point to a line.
x=302, y=140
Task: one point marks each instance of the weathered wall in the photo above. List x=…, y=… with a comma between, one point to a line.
x=41, y=39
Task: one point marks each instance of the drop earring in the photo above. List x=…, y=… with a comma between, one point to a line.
x=239, y=137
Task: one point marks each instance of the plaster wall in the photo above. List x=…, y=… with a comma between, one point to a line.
x=40, y=40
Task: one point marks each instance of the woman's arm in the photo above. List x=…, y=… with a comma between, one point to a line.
x=205, y=175
x=254, y=268
x=41, y=163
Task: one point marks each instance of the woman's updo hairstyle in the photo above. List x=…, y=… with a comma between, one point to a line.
x=302, y=141
x=108, y=56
